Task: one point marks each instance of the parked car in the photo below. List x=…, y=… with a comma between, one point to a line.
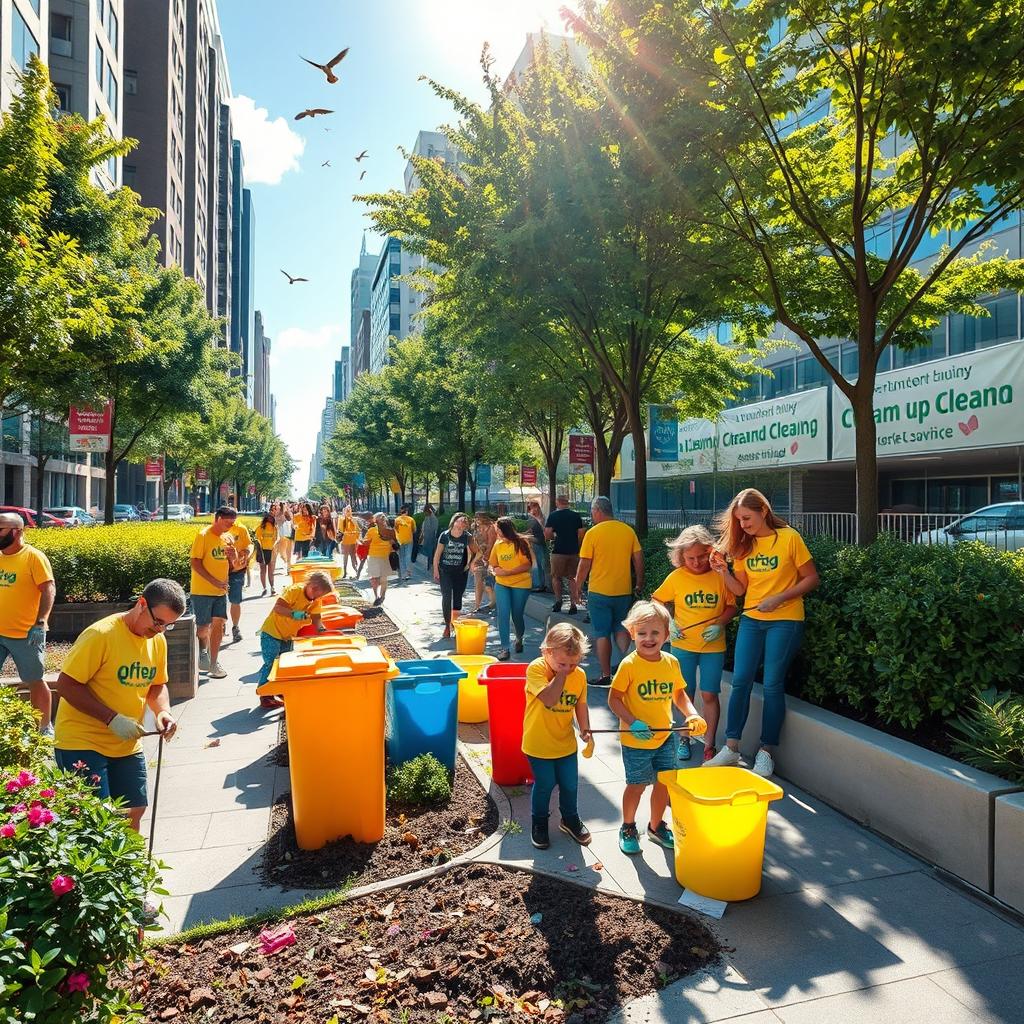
x=1000, y=525
x=72, y=515
x=179, y=513
x=33, y=518
x=126, y=514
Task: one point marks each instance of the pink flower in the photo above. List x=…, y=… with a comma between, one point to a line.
x=12, y=786
x=94, y=778
x=78, y=982
x=80, y=765
x=7, y=831
x=18, y=809
x=62, y=884
x=47, y=794
x=38, y=816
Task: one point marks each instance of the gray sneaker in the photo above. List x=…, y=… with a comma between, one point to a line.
x=204, y=659
x=236, y=634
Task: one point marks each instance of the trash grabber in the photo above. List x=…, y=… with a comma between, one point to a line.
x=156, y=789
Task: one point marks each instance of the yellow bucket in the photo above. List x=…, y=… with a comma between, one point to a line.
x=472, y=696
x=470, y=636
x=719, y=818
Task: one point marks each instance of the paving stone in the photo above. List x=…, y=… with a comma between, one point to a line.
x=228, y=828
x=205, y=870
x=993, y=989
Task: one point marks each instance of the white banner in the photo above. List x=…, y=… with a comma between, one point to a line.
x=776, y=434
x=697, y=443
x=975, y=400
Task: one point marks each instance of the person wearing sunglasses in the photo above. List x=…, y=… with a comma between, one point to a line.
x=115, y=670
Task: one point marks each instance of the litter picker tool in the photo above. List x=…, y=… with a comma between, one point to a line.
x=156, y=787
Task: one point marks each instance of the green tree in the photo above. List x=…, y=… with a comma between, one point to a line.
x=817, y=123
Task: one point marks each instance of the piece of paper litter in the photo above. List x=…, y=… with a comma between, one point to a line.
x=703, y=904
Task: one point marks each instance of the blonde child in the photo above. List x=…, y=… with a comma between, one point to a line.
x=556, y=692
x=645, y=686
x=702, y=605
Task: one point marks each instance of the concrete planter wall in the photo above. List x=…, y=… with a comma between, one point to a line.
x=183, y=660
x=1008, y=862
x=68, y=620
x=936, y=807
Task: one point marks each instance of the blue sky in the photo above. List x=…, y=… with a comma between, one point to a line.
x=306, y=221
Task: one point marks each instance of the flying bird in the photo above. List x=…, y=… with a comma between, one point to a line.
x=326, y=163
x=362, y=156
x=363, y=175
x=293, y=280
x=312, y=113
x=328, y=68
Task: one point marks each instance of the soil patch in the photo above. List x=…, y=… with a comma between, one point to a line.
x=414, y=838
x=478, y=942
x=56, y=652
x=380, y=629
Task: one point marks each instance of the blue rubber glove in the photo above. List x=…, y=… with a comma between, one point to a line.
x=712, y=633
x=674, y=632
x=298, y=616
x=641, y=730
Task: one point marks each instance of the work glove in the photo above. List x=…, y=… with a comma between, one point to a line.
x=711, y=633
x=641, y=730
x=674, y=632
x=696, y=725
x=298, y=616
x=125, y=728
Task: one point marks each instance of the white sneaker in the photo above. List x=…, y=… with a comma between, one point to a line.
x=764, y=764
x=725, y=758
x=216, y=672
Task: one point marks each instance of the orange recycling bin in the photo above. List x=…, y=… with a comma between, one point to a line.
x=300, y=571
x=472, y=696
x=334, y=620
x=326, y=642
x=334, y=704
x=470, y=636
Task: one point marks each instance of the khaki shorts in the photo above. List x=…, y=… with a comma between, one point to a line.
x=565, y=565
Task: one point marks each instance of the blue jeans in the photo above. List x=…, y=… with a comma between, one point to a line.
x=710, y=664
x=549, y=772
x=511, y=604
x=778, y=641
x=404, y=559
x=541, y=565
x=272, y=649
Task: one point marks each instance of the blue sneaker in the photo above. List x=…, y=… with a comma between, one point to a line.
x=662, y=835
x=629, y=839
x=684, y=753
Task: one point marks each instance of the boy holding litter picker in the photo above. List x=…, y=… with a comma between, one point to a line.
x=556, y=692
x=645, y=686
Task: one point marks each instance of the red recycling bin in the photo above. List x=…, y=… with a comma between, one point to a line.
x=506, y=705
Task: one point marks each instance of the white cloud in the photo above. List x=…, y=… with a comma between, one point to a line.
x=292, y=339
x=270, y=147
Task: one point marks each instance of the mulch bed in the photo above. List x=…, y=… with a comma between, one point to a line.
x=414, y=838
x=479, y=942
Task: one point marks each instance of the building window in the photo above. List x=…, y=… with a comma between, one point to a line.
x=128, y=175
x=23, y=43
x=35, y=6
x=60, y=35
x=131, y=83
x=396, y=322
x=99, y=62
x=396, y=295
x=113, y=27
x=112, y=91
x=112, y=169
x=63, y=97
x=934, y=349
x=967, y=333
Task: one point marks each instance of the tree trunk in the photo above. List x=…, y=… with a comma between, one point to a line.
x=110, y=476
x=471, y=480
x=867, y=456
x=604, y=465
x=636, y=428
x=460, y=483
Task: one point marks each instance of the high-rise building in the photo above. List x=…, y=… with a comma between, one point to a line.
x=243, y=257
x=361, y=348
x=24, y=31
x=391, y=305
x=261, y=368
x=223, y=243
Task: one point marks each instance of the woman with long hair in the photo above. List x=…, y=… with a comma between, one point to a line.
x=266, y=538
x=325, y=538
x=378, y=561
x=429, y=533
x=484, y=536
x=762, y=559
x=285, y=531
x=305, y=523
x=348, y=527
x=453, y=554
x=511, y=564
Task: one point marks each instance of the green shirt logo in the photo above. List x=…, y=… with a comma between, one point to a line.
x=762, y=563
x=136, y=674
x=8, y=579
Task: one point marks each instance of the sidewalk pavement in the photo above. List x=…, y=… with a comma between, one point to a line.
x=847, y=927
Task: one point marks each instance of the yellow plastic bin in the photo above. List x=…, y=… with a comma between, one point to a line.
x=326, y=642
x=334, y=707
x=470, y=636
x=472, y=696
x=719, y=817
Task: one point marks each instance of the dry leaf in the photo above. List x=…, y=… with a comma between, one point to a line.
x=213, y=743
x=412, y=839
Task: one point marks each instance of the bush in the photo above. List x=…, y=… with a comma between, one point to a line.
x=21, y=745
x=73, y=878
x=423, y=780
x=991, y=735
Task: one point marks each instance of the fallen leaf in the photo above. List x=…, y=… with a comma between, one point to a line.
x=436, y=999
x=388, y=910
x=264, y=974
x=411, y=839
x=370, y=974
x=311, y=953
x=598, y=866
x=297, y=982
x=213, y=743
x=239, y=948
x=169, y=1013
x=290, y=1002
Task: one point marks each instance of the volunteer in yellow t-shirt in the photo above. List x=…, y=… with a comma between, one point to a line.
x=266, y=539
x=209, y=587
x=239, y=552
x=405, y=530
x=771, y=570
x=511, y=564
x=646, y=685
x=702, y=605
x=556, y=693
x=348, y=527
x=298, y=604
x=608, y=552
x=305, y=524
x=378, y=561
x=27, y=591
x=115, y=670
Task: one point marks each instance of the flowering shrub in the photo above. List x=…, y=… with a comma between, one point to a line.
x=73, y=881
x=21, y=745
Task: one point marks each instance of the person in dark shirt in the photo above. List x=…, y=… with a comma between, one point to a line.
x=455, y=553
x=565, y=529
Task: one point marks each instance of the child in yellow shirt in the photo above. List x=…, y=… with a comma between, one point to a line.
x=556, y=692
x=645, y=686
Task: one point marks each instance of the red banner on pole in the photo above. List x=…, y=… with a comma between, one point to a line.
x=155, y=467
x=581, y=449
x=202, y=476
x=529, y=476
x=89, y=428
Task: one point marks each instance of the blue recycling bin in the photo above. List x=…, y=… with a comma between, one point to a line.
x=421, y=711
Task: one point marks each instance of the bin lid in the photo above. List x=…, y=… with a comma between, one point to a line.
x=720, y=785
x=417, y=671
x=503, y=672
x=337, y=662
x=328, y=642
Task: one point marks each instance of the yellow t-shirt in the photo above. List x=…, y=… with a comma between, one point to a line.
x=243, y=547
x=284, y=627
x=504, y=554
x=610, y=546
x=771, y=568
x=21, y=576
x=349, y=531
x=548, y=732
x=304, y=527
x=405, y=527
x=209, y=546
x=266, y=536
x=119, y=668
x=380, y=547
x=647, y=688
x=698, y=598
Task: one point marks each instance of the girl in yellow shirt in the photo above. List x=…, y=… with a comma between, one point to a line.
x=266, y=538
x=511, y=564
x=305, y=523
x=349, y=530
x=772, y=570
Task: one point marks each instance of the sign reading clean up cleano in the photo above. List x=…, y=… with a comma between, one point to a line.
x=975, y=400
x=779, y=433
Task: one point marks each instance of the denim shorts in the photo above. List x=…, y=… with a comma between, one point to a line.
x=607, y=613
x=123, y=777
x=27, y=652
x=710, y=665
x=208, y=608
x=642, y=765
x=236, y=581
